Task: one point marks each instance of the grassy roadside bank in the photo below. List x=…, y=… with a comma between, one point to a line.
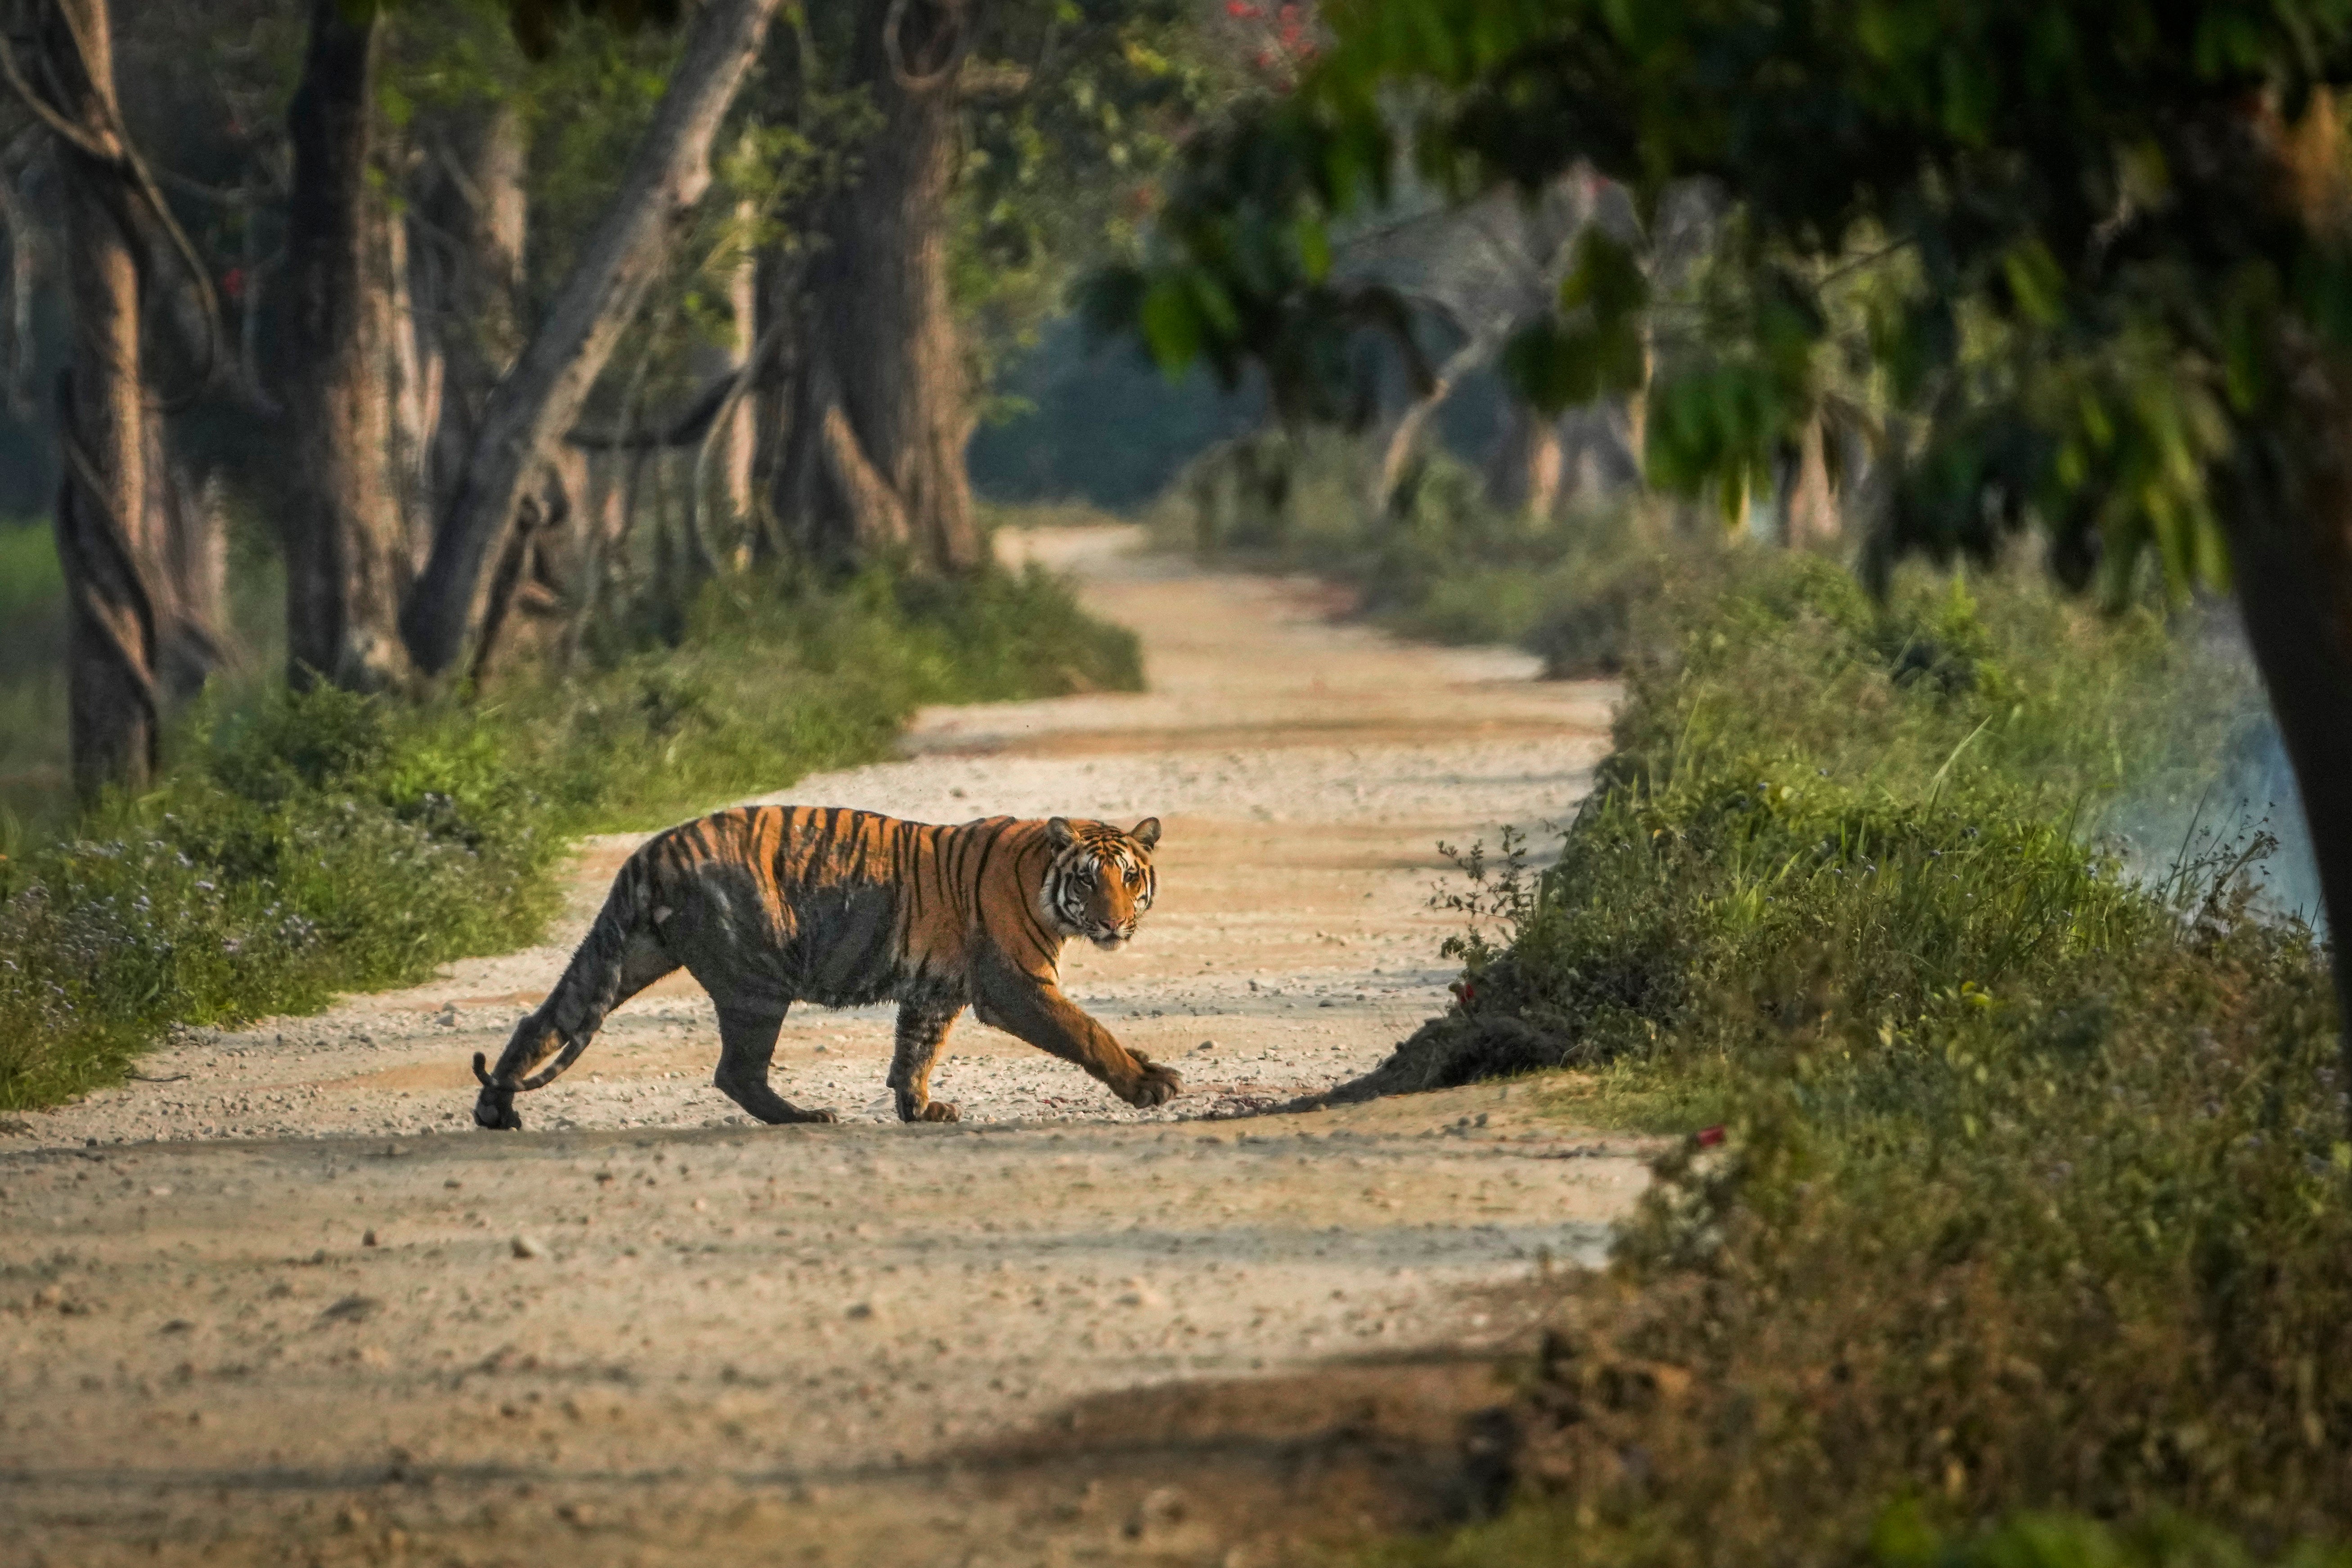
x=304, y=845
x=2025, y=1197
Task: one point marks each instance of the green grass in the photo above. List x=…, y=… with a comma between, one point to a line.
x=303, y=845
x=2030, y=1200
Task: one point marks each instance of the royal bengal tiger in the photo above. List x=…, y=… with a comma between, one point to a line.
x=767, y=905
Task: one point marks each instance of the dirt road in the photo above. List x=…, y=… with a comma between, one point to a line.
x=283, y=1303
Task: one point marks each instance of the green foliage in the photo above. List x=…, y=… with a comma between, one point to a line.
x=305, y=844
x=2115, y=225
x=2031, y=1190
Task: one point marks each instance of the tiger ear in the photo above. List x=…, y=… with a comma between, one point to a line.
x=1059, y=834
x=1146, y=832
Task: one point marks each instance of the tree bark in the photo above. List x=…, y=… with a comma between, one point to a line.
x=534, y=404
x=471, y=306
x=2292, y=563
x=2287, y=508
x=879, y=415
x=102, y=512
x=347, y=564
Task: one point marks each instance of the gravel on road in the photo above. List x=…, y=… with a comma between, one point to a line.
x=284, y=1294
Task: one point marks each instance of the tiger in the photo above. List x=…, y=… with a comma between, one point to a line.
x=767, y=905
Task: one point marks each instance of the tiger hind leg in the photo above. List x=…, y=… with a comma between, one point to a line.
x=747, y=1045
x=564, y=1026
x=922, y=1032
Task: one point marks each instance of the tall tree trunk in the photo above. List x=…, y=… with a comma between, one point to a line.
x=347, y=562
x=478, y=208
x=534, y=404
x=2293, y=562
x=101, y=513
x=2288, y=516
x=879, y=414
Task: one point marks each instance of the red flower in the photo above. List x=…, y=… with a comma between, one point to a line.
x=1709, y=1137
x=233, y=283
x=1239, y=9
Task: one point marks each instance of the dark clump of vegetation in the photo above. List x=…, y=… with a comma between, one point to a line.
x=2025, y=1183
x=306, y=844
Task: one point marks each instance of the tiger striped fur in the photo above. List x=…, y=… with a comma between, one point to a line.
x=767, y=905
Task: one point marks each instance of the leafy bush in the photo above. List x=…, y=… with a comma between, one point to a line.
x=304, y=845
x=2030, y=1191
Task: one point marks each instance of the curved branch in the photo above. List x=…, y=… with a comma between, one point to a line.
x=122, y=159
x=207, y=301
x=742, y=381
x=894, y=21
x=72, y=135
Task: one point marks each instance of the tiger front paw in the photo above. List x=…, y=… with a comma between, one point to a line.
x=910, y=1109
x=1153, y=1085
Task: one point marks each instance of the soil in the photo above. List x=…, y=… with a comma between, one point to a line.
x=278, y=1300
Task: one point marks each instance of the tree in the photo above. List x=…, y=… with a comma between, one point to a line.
x=139, y=550
x=2117, y=239
x=880, y=410
x=357, y=616
x=347, y=560
x=997, y=141
x=537, y=401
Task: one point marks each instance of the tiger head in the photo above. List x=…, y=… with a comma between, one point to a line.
x=1100, y=880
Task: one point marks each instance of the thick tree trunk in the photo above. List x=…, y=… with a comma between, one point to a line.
x=347, y=562
x=534, y=404
x=479, y=213
x=102, y=512
x=2288, y=516
x=879, y=415
x=2294, y=570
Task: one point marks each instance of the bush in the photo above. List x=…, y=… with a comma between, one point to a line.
x=2030, y=1191
x=308, y=843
